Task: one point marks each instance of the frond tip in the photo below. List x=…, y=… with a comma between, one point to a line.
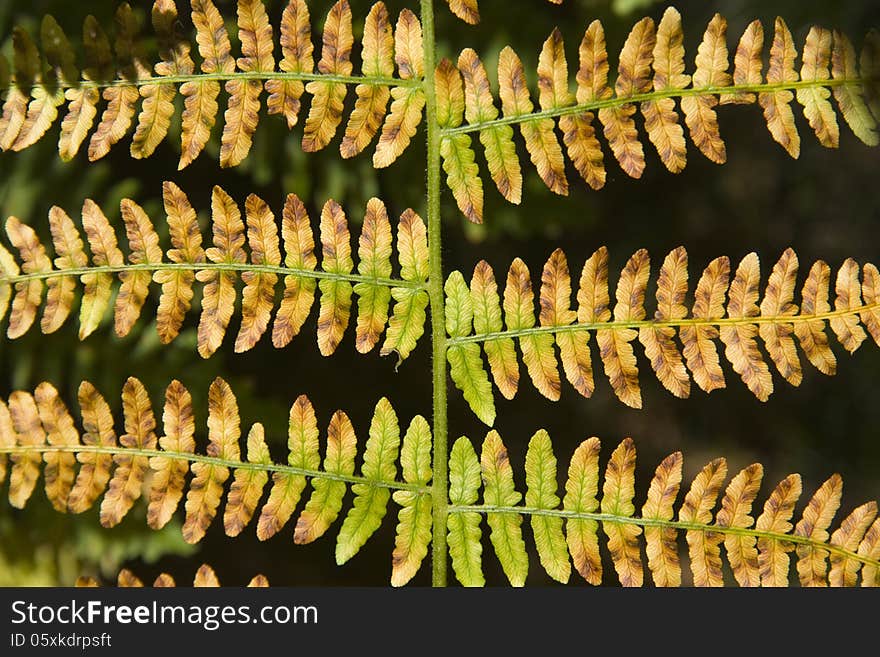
x=163, y=468
x=726, y=305
x=204, y=577
x=36, y=98
x=758, y=549
x=218, y=268
x=650, y=77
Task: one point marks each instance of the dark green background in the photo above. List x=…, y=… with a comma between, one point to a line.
x=825, y=205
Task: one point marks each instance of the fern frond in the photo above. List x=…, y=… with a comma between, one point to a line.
x=757, y=550
x=131, y=75
x=722, y=308
x=38, y=432
x=469, y=10
x=650, y=77
x=205, y=577
x=218, y=270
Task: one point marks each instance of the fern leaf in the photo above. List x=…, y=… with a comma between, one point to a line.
x=144, y=248
x=661, y=119
x=581, y=534
x=777, y=107
x=617, y=499
x=844, y=569
x=105, y=253
x=464, y=528
x=59, y=472
x=286, y=490
x=325, y=503
x=414, y=519
x=24, y=420
x=28, y=294
x=297, y=51
x=660, y=542
x=177, y=285
x=633, y=78
x=736, y=508
x=499, y=491
x=258, y=296
x=299, y=292
x=335, y=295
x=757, y=551
x=94, y=472
x=374, y=251
x=537, y=350
x=408, y=102
x=748, y=64
x=773, y=558
x=407, y=323
x=775, y=321
x=206, y=488
x=325, y=113
x=850, y=97
x=167, y=483
x=218, y=298
x=255, y=257
x=541, y=494
x=126, y=485
x=69, y=255
x=704, y=547
x=497, y=140
x=371, y=502
x=812, y=564
x=817, y=107
x=462, y=173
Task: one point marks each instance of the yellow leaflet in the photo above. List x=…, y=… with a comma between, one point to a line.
x=143, y=244
x=777, y=105
x=69, y=255
x=296, y=48
x=28, y=294
x=299, y=292
x=661, y=542
x=247, y=486
x=704, y=547
x=736, y=509
x=617, y=498
x=335, y=295
x=105, y=253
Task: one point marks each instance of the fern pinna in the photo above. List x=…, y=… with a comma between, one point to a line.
x=132, y=85
x=219, y=267
x=204, y=577
x=651, y=75
x=38, y=433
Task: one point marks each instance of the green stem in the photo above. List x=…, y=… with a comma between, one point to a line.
x=202, y=266
x=673, y=323
x=618, y=101
x=440, y=484
x=376, y=81
x=210, y=460
x=669, y=524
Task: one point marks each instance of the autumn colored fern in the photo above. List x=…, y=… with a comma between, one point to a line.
x=218, y=269
x=725, y=306
x=134, y=85
x=38, y=433
x=205, y=577
x=757, y=550
x=36, y=96
x=38, y=428
x=651, y=75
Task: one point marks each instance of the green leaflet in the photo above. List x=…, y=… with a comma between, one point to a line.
x=464, y=528
x=374, y=251
x=499, y=490
x=324, y=505
x=414, y=519
x=371, y=502
x=466, y=366
x=500, y=352
x=541, y=494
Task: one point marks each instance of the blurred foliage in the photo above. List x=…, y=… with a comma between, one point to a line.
x=825, y=204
